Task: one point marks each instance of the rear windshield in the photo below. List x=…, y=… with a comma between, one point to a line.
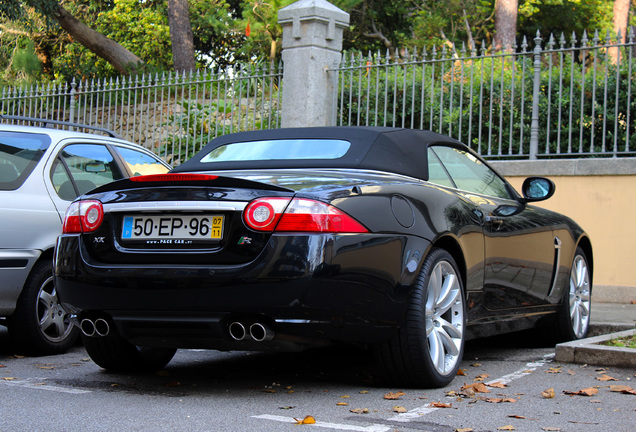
x=284, y=149
x=19, y=154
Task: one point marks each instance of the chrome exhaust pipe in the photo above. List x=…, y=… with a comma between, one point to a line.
x=101, y=327
x=261, y=332
x=237, y=331
x=88, y=327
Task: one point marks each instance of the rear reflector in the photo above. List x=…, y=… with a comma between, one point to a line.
x=173, y=177
x=301, y=215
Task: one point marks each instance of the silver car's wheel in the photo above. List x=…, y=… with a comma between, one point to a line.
x=579, y=298
x=444, y=317
x=39, y=325
x=55, y=325
x=428, y=346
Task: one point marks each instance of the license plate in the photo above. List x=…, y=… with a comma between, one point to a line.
x=173, y=228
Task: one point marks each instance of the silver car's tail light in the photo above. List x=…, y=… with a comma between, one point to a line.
x=83, y=217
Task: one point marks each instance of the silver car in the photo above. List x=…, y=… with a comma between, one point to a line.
x=41, y=171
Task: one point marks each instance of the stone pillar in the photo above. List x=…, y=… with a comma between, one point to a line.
x=312, y=44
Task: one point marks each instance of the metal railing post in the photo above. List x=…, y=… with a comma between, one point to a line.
x=534, y=125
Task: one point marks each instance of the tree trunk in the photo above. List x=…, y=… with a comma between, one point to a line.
x=181, y=35
x=505, y=24
x=621, y=15
x=118, y=56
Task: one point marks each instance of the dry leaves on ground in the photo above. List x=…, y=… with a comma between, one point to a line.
x=307, y=420
x=393, y=396
x=440, y=405
x=477, y=387
x=548, y=394
x=623, y=389
x=360, y=410
x=590, y=391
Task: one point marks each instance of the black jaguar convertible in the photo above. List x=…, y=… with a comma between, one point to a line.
x=402, y=241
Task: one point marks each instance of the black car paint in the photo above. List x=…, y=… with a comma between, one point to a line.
x=329, y=297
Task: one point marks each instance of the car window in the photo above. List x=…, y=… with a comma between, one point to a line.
x=19, y=154
x=436, y=172
x=283, y=149
x=82, y=167
x=140, y=163
x=471, y=174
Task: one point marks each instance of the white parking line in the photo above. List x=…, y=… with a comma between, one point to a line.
x=506, y=379
x=344, y=427
x=38, y=383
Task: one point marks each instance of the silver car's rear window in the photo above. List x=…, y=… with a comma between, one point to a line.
x=19, y=154
x=283, y=149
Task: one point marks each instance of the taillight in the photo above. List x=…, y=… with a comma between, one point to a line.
x=264, y=213
x=83, y=217
x=301, y=215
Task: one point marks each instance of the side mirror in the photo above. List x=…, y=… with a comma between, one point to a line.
x=537, y=189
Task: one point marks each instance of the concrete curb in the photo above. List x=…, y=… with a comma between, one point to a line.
x=588, y=351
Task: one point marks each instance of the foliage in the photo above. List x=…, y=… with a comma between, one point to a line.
x=240, y=104
x=487, y=103
x=564, y=16
x=626, y=342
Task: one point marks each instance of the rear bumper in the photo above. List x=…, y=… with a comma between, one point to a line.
x=15, y=266
x=309, y=289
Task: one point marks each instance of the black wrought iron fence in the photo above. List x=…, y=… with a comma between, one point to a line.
x=172, y=114
x=560, y=99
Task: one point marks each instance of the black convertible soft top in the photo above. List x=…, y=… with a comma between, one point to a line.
x=396, y=150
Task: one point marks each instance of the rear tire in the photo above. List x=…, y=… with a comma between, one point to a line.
x=39, y=325
x=429, y=346
x=573, y=319
x=116, y=354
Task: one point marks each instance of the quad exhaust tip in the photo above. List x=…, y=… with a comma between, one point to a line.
x=257, y=331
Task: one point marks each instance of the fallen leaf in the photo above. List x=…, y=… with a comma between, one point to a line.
x=307, y=420
x=269, y=391
x=497, y=384
x=287, y=407
x=508, y=427
x=360, y=411
x=477, y=387
x=342, y=404
x=399, y=409
x=517, y=417
x=551, y=429
x=172, y=384
x=392, y=396
x=553, y=370
x=47, y=367
x=440, y=405
x=9, y=378
x=363, y=391
x=2, y=366
x=464, y=430
x=19, y=356
x=476, y=364
x=548, y=394
x=605, y=377
x=481, y=377
x=345, y=396
x=622, y=389
x=571, y=372
x=461, y=372
x=590, y=391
